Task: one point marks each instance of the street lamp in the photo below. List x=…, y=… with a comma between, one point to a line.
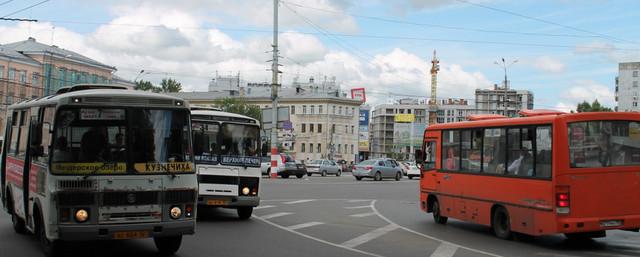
x=137, y=76
x=506, y=82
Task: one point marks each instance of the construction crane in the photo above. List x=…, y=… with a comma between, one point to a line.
x=433, y=102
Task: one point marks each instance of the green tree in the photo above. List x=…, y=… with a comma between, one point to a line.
x=143, y=85
x=593, y=107
x=170, y=86
x=239, y=106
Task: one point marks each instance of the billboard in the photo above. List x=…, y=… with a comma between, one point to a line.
x=364, y=118
x=402, y=135
x=358, y=94
x=405, y=118
x=363, y=131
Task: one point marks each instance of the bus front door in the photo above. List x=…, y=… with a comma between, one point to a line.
x=428, y=178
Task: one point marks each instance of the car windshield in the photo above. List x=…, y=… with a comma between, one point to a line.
x=118, y=140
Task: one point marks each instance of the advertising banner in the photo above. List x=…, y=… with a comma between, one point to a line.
x=358, y=94
x=402, y=134
x=405, y=118
x=364, y=118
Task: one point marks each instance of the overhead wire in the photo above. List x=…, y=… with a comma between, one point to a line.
x=24, y=9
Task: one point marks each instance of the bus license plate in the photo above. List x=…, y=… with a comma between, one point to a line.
x=216, y=202
x=130, y=234
x=611, y=223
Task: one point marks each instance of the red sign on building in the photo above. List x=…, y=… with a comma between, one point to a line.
x=358, y=94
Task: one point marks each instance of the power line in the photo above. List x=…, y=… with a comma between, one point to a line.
x=26, y=8
x=545, y=21
x=6, y=2
x=389, y=20
x=17, y=19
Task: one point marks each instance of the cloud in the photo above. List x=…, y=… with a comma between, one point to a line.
x=549, y=64
x=609, y=51
x=586, y=90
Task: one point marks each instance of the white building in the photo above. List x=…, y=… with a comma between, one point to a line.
x=492, y=101
x=627, y=87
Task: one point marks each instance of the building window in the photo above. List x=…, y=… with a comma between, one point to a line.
x=346, y=129
x=339, y=148
x=311, y=127
x=35, y=79
x=304, y=128
x=345, y=148
x=319, y=148
x=302, y=148
x=333, y=128
x=311, y=148
x=312, y=109
x=334, y=109
x=293, y=109
x=340, y=110
x=304, y=109
x=352, y=149
x=635, y=104
x=12, y=74
x=319, y=109
x=352, y=129
x=635, y=84
x=23, y=76
x=1, y=71
x=319, y=128
x=635, y=73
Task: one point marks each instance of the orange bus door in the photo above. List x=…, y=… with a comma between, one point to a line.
x=428, y=178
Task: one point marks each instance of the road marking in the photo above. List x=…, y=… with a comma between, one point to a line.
x=318, y=199
x=369, y=236
x=263, y=207
x=355, y=201
x=444, y=250
x=316, y=239
x=373, y=206
x=275, y=215
x=362, y=215
x=298, y=201
x=305, y=225
x=358, y=207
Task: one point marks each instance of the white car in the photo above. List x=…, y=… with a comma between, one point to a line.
x=412, y=169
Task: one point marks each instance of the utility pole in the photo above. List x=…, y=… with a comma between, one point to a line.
x=274, y=95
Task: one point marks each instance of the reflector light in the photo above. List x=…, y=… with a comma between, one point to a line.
x=563, y=197
x=563, y=203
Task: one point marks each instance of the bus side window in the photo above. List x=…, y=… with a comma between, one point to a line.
x=430, y=155
x=13, y=137
x=494, y=147
x=543, y=152
x=45, y=129
x=24, y=133
x=451, y=150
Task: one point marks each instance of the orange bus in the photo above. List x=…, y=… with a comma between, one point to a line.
x=543, y=173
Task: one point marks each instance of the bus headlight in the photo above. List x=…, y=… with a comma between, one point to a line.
x=175, y=212
x=81, y=215
x=245, y=191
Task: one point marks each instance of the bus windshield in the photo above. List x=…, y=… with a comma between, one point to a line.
x=228, y=143
x=120, y=141
x=604, y=143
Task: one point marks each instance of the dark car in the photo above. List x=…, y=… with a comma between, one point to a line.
x=292, y=168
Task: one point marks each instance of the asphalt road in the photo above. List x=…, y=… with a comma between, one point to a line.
x=336, y=216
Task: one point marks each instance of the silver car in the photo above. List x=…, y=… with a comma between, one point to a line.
x=377, y=169
x=323, y=167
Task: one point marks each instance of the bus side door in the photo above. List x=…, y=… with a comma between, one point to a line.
x=428, y=176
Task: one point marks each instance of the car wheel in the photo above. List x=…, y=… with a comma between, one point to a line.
x=377, y=177
x=358, y=178
x=309, y=174
x=268, y=172
x=168, y=245
x=244, y=212
x=299, y=175
x=324, y=173
x=284, y=175
x=437, y=215
x=339, y=173
x=409, y=177
x=398, y=176
x=501, y=223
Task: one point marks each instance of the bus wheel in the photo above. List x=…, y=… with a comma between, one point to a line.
x=378, y=176
x=437, y=215
x=17, y=222
x=49, y=248
x=501, y=223
x=245, y=212
x=168, y=245
x=324, y=173
x=398, y=176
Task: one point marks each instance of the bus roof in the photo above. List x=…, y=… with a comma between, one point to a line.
x=221, y=114
x=537, y=119
x=105, y=96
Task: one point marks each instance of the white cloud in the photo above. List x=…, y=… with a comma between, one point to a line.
x=586, y=90
x=549, y=64
x=609, y=51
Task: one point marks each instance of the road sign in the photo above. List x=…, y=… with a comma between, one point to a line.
x=283, y=115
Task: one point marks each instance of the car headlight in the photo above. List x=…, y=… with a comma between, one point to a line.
x=81, y=215
x=175, y=212
x=245, y=191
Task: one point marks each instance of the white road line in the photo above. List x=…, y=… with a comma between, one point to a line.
x=373, y=206
x=305, y=225
x=357, y=207
x=355, y=201
x=324, y=199
x=263, y=207
x=275, y=215
x=316, y=239
x=369, y=236
x=299, y=201
x=444, y=250
x=362, y=215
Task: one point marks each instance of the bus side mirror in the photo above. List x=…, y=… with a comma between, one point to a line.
x=419, y=156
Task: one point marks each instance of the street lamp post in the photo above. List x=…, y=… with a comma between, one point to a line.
x=506, y=85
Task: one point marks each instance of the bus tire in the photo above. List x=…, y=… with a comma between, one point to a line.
x=245, y=212
x=50, y=248
x=398, y=176
x=324, y=173
x=168, y=245
x=377, y=176
x=501, y=223
x=17, y=223
x=437, y=215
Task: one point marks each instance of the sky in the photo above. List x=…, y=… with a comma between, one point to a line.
x=564, y=51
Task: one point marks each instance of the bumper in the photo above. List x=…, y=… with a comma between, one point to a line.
x=292, y=172
x=577, y=225
x=106, y=232
x=357, y=173
x=230, y=201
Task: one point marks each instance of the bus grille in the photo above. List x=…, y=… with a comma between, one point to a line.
x=75, y=198
x=76, y=185
x=130, y=198
x=180, y=196
x=216, y=179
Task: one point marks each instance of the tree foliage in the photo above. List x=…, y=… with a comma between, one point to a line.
x=143, y=85
x=170, y=86
x=239, y=106
x=593, y=107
